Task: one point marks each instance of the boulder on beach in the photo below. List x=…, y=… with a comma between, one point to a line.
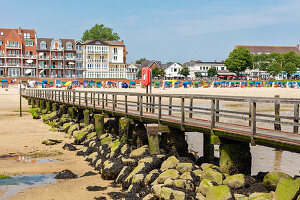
x=69, y=147
x=170, y=173
x=170, y=163
x=140, y=152
x=235, y=181
x=204, y=186
x=65, y=174
x=287, y=189
x=111, y=169
x=271, y=180
x=220, y=192
x=212, y=175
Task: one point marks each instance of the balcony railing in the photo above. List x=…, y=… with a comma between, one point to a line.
x=13, y=64
x=57, y=58
x=97, y=61
x=43, y=67
x=29, y=56
x=13, y=55
x=29, y=65
x=98, y=52
x=70, y=58
x=44, y=57
x=11, y=46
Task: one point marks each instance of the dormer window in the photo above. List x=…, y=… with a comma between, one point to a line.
x=69, y=45
x=43, y=45
x=97, y=42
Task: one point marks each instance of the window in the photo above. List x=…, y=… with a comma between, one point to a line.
x=26, y=35
x=69, y=45
x=1, y=33
x=115, y=58
x=115, y=50
x=43, y=45
x=13, y=34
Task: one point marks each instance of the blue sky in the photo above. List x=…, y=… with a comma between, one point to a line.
x=166, y=30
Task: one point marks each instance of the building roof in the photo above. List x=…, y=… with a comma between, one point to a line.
x=102, y=42
x=201, y=62
x=270, y=49
x=21, y=31
x=148, y=63
x=49, y=40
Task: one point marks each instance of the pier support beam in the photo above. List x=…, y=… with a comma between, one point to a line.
x=208, y=149
x=235, y=157
x=177, y=143
x=32, y=103
x=37, y=103
x=63, y=109
x=140, y=135
x=86, y=119
x=99, y=124
x=153, y=137
x=42, y=104
x=54, y=107
x=29, y=101
x=72, y=113
x=125, y=129
x=48, y=106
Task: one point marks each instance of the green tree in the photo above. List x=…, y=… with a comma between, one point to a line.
x=140, y=60
x=139, y=73
x=184, y=72
x=99, y=31
x=261, y=61
x=158, y=72
x=198, y=74
x=212, y=72
x=290, y=68
x=274, y=69
x=291, y=57
x=239, y=60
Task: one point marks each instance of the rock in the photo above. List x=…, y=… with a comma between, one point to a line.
x=186, y=185
x=212, y=175
x=91, y=135
x=91, y=156
x=235, y=181
x=209, y=165
x=48, y=142
x=95, y=188
x=148, y=197
x=129, y=162
x=272, y=178
x=240, y=197
x=287, y=189
x=111, y=169
x=106, y=140
x=152, y=176
x=99, y=164
x=115, y=148
x=125, y=150
x=184, y=167
x=66, y=126
x=260, y=196
x=140, y=169
x=76, y=133
x=199, y=196
x=168, y=193
x=54, y=129
x=73, y=128
x=170, y=173
x=140, y=152
x=126, y=170
x=204, y=186
x=69, y=147
x=36, y=116
x=169, y=182
x=220, y=192
x=156, y=189
x=50, y=117
x=255, y=187
x=80, y=137
x=198, y=173
x=138, y=178
x=170, y=163
x=89, y=173
x=186, y=176
x=65, y=174
x=154, y=162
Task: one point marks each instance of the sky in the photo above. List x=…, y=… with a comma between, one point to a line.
x=164, y=30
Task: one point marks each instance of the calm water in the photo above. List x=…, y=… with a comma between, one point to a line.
x=263, y=158
x=16, y=184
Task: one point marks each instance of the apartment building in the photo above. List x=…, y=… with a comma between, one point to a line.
x=79, y=60
x=56, y=57
x=17, y=52
x=256, y=50
x=103, y=59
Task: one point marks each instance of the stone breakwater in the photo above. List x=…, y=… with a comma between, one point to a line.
x=143, y=175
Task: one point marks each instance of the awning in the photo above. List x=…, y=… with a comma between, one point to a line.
x=28, y=71
x=29, y=61
x=41, y=54
x=71, y=63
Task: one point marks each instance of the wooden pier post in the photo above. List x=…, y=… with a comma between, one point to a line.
x=277, y=113
x=86, y=120
x=48, y=106
x=99, y=124
x=42, y=104
x=32, y=103
x=54, y=106
x=176, y=142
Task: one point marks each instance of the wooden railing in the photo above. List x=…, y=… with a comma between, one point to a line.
x=247, y=114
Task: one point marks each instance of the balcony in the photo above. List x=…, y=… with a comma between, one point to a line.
x=2, y=55
x=29, y=65
x=95, y=61
x=70, y=67
x=13, y=64
x=57, y=58
x=11, y=46
x=13, y=55
x=43, y=57
x=70, y=58
x=29, y=56
x=43, y=67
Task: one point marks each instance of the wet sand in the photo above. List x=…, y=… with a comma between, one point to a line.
x=24, y=136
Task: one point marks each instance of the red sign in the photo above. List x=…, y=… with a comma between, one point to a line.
x=146, y=73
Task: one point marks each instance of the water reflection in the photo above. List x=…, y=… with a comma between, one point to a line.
x=26, y=159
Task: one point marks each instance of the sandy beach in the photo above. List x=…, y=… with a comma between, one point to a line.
x=23, y=136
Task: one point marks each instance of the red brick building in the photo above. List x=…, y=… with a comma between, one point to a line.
x=56, y=57
x=255, y=50
x=17, y=52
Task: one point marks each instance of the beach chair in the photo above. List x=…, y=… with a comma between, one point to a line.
x=58, y=84
x=50, y=83
x=4, y=84
x=132, y=84
x=98, y=84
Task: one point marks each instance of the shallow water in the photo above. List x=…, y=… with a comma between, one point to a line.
x=263, y=158
x=26, y=159
x=16, y=184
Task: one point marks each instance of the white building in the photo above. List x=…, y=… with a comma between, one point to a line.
x=132, y=71
x=103, y=59
x=203, y=67
x=172, y=70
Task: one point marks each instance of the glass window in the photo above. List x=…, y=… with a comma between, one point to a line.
x=43, y=45
x=115, y=50
x=115, y=58
x=69, y=45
